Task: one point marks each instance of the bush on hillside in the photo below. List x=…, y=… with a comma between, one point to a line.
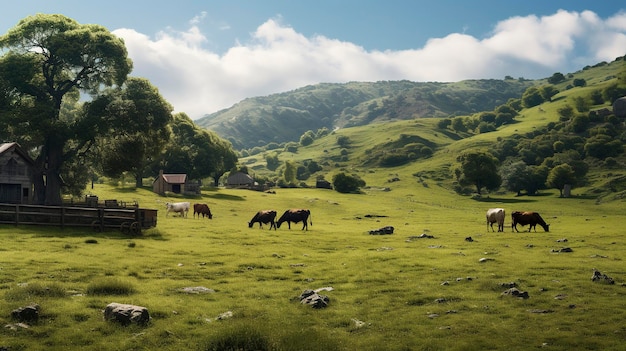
x=345, y=183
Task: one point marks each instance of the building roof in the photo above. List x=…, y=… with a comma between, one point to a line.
x=240, y=178
x=175, y=178
x=5, y=147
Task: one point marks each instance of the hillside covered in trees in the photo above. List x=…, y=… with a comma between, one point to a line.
x=559, y=131
x=286, y=116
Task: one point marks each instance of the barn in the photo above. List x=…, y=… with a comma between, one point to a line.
x=172, y=183
x=239, y=180
x=16, y=169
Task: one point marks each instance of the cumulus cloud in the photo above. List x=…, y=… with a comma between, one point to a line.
x=277, y=58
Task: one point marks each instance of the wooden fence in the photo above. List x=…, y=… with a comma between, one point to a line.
x=127, y=219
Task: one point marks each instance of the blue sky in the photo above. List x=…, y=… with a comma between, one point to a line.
x=208, y=55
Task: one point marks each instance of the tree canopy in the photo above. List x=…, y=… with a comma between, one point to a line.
x=46, y=61
x=479, y=169
x=198, y=152
x=346, y=183
x=147, y=117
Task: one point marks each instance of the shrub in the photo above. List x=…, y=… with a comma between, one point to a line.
x=238, y=338
x=393, y=160
x=110, y=286
x=345, y=183
x=28, y=291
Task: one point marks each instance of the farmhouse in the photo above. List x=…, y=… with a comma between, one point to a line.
x=16, y=167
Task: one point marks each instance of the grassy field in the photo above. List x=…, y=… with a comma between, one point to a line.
x=390, y=292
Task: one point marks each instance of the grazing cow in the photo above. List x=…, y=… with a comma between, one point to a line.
x=180, y=207
x=530, y=218
x=295, y=215
x=264, y=217
x=495, y=215
x=202, y=209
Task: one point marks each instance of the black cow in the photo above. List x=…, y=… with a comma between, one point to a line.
x=530, y=218
x=264, y=217
x=295, y=215
x=202, y=209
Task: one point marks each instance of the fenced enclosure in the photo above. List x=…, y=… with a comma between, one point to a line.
x=113, y=215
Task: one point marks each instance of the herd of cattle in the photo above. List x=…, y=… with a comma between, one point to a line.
x=497, y=215
x=494, y=215
x=261, y=217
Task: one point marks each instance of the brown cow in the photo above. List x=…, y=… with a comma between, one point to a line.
x=264, y=217
x=530, y=218
x=202, y=209
x=295, y=215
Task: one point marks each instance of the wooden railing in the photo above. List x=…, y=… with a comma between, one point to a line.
x=126, y=219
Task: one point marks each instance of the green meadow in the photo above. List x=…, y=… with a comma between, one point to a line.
x=390, y=292
x=427, y=286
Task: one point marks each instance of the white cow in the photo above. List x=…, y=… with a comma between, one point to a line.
x=495, y=215
x=180, y=207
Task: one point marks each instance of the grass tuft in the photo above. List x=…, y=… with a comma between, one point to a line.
x=29, y=291
x=238, y=338
x=110, y=286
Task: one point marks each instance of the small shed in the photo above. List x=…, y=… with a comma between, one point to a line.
x=16, y=171
x=173, y=183
x=239, y=180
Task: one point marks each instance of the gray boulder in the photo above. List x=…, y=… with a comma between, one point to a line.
x=382, y=231
x=514, y=292
x=601, y=278
x=313, y=299
x=27, y=314
x=126, y=314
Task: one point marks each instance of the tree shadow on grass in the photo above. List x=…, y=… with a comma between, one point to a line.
x=506, y=200
x=43, y=231
x=125, y=190
x=218, y=196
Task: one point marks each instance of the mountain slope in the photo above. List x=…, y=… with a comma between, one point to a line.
x=286, y=116
x=374, y=151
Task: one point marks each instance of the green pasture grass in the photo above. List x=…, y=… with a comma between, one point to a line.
x=391, y=292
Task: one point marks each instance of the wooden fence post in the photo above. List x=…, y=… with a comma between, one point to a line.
x=101, y=218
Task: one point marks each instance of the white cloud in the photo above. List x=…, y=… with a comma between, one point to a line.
x=277, y=58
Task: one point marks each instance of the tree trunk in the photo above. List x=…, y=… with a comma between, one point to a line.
x=39, y=195
x=54, y=157
x=138, y=180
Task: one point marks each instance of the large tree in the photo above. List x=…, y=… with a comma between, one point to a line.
x=515, y=176
x=560, y=176
x=198, y=152
x=479, y=169
x=146, y=116
x=46, y=58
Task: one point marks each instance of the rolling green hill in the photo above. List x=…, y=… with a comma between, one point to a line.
x=286, y=116
x=384, y=150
